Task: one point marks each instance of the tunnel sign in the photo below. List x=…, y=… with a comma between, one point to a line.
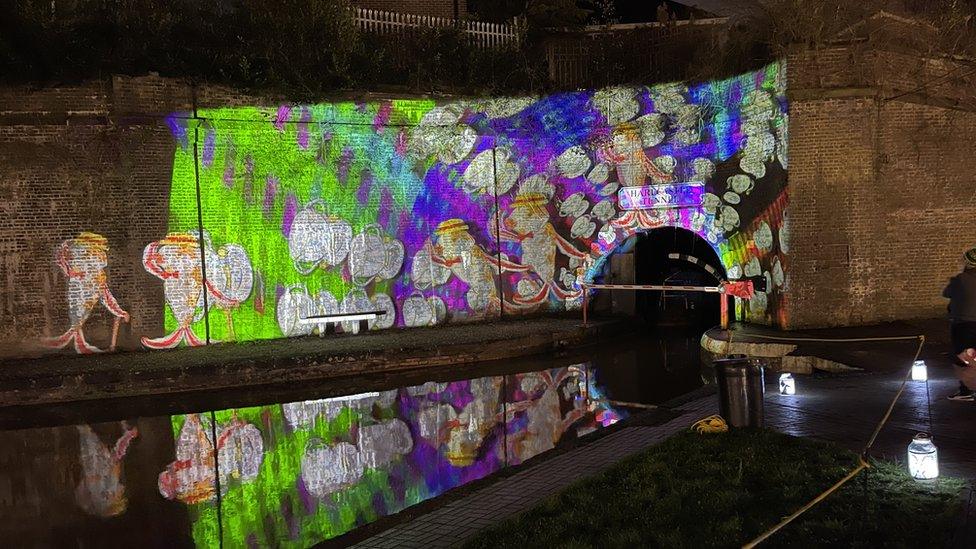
x=656, y=197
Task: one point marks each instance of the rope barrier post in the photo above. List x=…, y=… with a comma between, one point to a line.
x=586, y=299
x=724, y=311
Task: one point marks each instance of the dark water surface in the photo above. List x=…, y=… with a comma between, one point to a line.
x=298, y=465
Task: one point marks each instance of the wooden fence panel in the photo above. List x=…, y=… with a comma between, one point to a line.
x=479, y=34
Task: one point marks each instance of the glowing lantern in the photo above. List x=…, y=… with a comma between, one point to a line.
x=787, y=385
x=923, y=458
x=919, y=372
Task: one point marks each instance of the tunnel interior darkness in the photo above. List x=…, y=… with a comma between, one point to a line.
x=667, y=353
x=695, y=311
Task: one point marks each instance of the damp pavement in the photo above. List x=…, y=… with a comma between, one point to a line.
x=841, y=408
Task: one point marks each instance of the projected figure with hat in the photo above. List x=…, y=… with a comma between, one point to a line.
x=83, y=260
x=529, y=224
x=176, y=260
x=457, y=250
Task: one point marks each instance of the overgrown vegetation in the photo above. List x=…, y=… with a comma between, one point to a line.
x=723, y=490
x=946, y=25
x=307, y=48
x=303, y=44
x=300, y=47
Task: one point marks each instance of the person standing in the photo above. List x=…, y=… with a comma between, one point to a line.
x=961, y=293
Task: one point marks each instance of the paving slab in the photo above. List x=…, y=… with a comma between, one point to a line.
x=509, y=496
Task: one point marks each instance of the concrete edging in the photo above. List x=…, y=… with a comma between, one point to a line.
x=73, y=386
x=777, y=355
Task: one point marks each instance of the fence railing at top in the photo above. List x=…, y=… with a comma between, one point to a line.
x=480, y=34
x=648, y=52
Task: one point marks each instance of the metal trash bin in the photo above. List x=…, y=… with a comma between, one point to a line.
x=741, y=388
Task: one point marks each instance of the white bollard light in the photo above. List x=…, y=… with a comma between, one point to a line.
x=919, y=372
x=923, y=458
x=787, y=384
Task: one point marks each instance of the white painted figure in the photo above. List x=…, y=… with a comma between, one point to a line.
x=529, y=224
x=83, y=260
x=176, y=260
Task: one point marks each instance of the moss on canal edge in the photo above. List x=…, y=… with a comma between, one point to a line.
x=723, y=490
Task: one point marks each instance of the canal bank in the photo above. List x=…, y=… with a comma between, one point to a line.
x=440, y=451
x=302, y=464
x=62, y=378
x=833, y=350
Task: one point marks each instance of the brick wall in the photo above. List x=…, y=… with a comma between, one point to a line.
x=882, y=186
x=882, y=193
x=100, y=159
x=927, y=163
x=435, y=8
x=830, y=145
x=94, y=158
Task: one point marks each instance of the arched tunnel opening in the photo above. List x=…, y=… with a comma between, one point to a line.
x=677, y=257
x=664, y=354
x=665, y=256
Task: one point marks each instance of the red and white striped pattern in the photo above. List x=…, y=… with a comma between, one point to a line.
x=692, y=259
x=655, y=287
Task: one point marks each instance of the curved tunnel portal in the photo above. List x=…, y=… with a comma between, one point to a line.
x=672, y=256
x=665, y=354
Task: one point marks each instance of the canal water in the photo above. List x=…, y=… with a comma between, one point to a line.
x=294, y=466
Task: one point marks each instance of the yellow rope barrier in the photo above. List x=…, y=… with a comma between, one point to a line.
x=861, y=466
x=904, y=382
x=863, y=463
x=710, y=424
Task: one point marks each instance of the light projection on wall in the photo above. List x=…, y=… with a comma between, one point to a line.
x=176, y=260
x=84, y=260
x=295, y=474
x=291, y=474
x=450, y=212
x=470, y=210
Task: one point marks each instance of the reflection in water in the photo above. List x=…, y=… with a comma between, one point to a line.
x=190, y=478
x=329, y=468
x=545, y=405
x=101, y=491
x=297, y=473
x=333, y=464
x=89, y=486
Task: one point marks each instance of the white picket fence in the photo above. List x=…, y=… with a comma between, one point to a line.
x=480, y=34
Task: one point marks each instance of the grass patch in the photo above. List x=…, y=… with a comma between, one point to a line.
x=723, y=490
